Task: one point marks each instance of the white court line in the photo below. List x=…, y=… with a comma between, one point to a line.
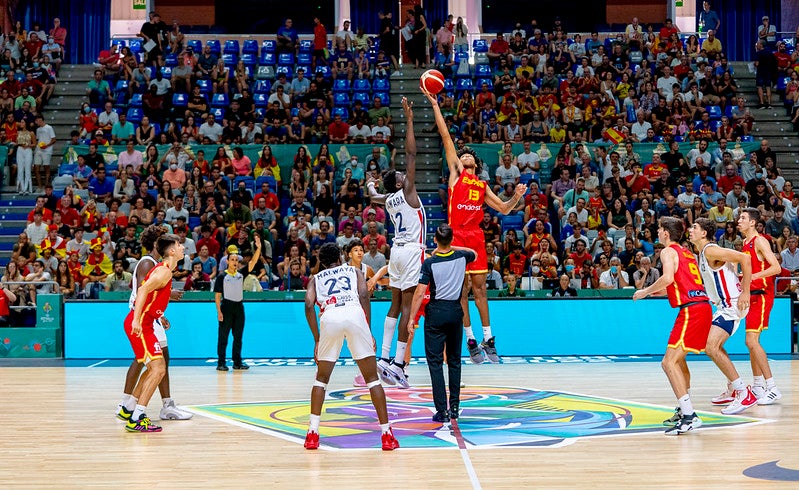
x=467, y=461
x=98, y=363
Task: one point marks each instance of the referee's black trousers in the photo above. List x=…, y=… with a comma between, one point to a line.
x=232, y=320
x=443, y=326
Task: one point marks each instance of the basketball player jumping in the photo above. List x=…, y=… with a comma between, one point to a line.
x=719, y=269
x=764, y=267
x=683, y=284
x=344, y=312
x=407, y=253
x=467, y=194
x=169, y=411
x=152, y=298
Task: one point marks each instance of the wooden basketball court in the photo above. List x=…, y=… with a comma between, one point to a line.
x=59, y=430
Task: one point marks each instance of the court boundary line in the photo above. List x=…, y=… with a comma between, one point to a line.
x=467, y=461
x=97, y=363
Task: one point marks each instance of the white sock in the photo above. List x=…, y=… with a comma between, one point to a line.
x=399, y=357
x=167, y=401
x=686, y=406
x=125, y=398
x=313, y=426
x=138, y=411
x=389, y=325
x=738, y=384
x=469, y=333
x=760, y=381
x=385, y=428
x=770, y=383
x=486, y=332
x=130, y=404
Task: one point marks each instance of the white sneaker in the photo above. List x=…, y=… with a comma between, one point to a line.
x=759, y=391
x=172, y=412
x=725, y=398
x=398, y=375
x=771, y=396
x=743, y=400
x=384, y=373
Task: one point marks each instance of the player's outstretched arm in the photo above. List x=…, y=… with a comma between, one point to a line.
x=410, y=156
x=374, y=196
x=505, y=207
x=669, y=259
x=418, y=297
x=310, y=308
x=363, y=297
x=453, y=162
x=256, y=256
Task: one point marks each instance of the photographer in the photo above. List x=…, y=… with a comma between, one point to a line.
x=197, y=280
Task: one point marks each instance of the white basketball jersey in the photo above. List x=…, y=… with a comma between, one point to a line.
x=337, y=288
x=409, y=222
x=135, y=285
x=722, y=284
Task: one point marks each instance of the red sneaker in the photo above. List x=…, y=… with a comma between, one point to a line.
x=743, y=400
x=312, y=440
x=390, y=442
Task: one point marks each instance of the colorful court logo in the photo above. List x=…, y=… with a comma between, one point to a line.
x=491, y=417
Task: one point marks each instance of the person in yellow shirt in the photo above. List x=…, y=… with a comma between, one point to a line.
x=712, y=45
x=721, y=214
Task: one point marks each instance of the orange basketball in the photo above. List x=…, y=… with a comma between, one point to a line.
x=432, y=81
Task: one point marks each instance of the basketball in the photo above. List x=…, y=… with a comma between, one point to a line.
x=432, y=81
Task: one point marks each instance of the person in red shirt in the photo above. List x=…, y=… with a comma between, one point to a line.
x=69, y=215
x=683, y=284
x=338, y=130
x=730, y=177
x=515, y=262
x=654, y=170
x=58, y=33
x=668, y=29
x=208, y=241
x=580, y=256
x=499, y=48
x=637, y=182
x=47, y=215
x=272, y=201
x=319, y=43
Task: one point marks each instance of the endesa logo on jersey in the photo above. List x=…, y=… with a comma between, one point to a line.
x=469, y=207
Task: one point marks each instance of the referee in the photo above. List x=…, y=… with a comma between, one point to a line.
x=443, y=273
x=228, y=295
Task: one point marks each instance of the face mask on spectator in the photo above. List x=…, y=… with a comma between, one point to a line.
x=36, y=64
x=759, y=175
x=569, y=268
x=173, y=167
x=87, y=110
x=535, y=269
x=614, y=269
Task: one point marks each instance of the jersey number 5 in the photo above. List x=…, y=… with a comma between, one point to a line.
x=343, y=282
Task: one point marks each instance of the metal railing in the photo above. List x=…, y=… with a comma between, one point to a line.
x=27, y=285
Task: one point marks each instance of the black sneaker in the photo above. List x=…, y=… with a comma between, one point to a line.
x=241, y=367
x=674, y=418
x=475, y=351
x=687, y=423
x=222, y=367
x=454, y=412
x=441, y=416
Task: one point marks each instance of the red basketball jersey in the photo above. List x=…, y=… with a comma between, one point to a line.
x=687, y=286
x=156, y=301
x=466, y=200
x=764, y=283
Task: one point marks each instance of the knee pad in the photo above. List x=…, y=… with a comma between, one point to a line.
x=372, y=384
x=320, y=384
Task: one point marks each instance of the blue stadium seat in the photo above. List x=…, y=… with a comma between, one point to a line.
x=171, y=60
x=231, y=47
x=249, y=61
x=230, y=60
x=121, y=86
x=250, y=46
x=678, y=138
x=381, y=85
x=218, y=113
x=248, y=181
x=121, y=99
x=135, y=46
x=714, y=125
x=67, y=169
x=285, y=59
x=269, y=46
x=267, y=59
x=285, y=69
x=449, y=86
x=135, y=101
x=219, y=100
x=782, y=83
x=384, y=98
x=714, y=111
x=480, y=81
x=364, y=97
x=371, y=55
x=747, y=139
x=180, y=100
x=120, y=43
x=261, y=99
x=205, y=85
x=480, y=46
x=361, y=85
x=265, y=73
x=259, y=114
x=135, y=114
x=341, y=111
x=305, y=68
x=464, y=84
x=342, y=85
x=196, y=45
x=482, y=71
x=325, y=71
x=216, y=47
x=461, y=57
x=511, y=222
x=262, y=87
x=306, y=46
x=341, y=99
x=166, y=72
x=304, y=59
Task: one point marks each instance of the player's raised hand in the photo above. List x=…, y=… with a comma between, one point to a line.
x=407, y=107
x=432, y=98
x=521, y=189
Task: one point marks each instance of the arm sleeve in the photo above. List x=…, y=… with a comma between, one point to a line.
x=219, y=283
x=470, y=257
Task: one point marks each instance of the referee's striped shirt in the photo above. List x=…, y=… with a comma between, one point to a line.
x=444, y=273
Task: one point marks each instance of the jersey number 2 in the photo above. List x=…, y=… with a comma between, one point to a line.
x=343, y=282
x=398, y=218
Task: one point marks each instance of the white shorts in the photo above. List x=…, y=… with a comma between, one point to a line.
x=405, y=266
x=728, y=318
x=160, y=333
x=349, y=324
x=42, y=158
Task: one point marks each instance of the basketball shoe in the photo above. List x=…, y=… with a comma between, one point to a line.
x=674, y=418
x=490, y=350
x=383, y=371
x=359, y=382
x=725, y=398
x=686, y=423
x=311, y=440
x=123, y=413
x=441, y=416
x=759, y=391
x=743, y=400
x=454, y=411
x=141, y=425
x=172, y=412
x=388, y=440
x=397, y=373
x=475, y=351
x=769, y=397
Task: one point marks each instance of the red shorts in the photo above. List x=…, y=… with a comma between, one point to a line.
x=692, y=327
x=476, y=240
x=145, y=346
x=759, y=311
